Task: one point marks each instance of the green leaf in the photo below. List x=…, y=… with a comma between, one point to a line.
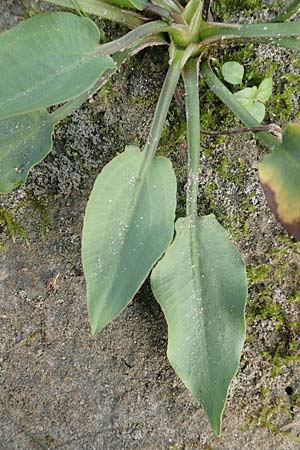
x=233, y=72
x=260, y=32
x=129, y=223
x=106, y=10
x=246, y=96
x=200, y=284
x=292, y=43
x=47, y=60
x=257, y=110
x=264, y=90
x=24, y=141
x=138, y=4
x=280, y=178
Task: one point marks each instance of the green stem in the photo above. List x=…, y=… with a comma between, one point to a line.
x=133, y=36
x=269, y=32
x=290, y=12
x=162, y=106
x=191, y=77
x=104, y=10
x=234, y=105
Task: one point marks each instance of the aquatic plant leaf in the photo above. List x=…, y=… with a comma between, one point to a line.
x=24, y=141
x=279, y=174
x=201, y=286
x=46, y=60
x=128, y=224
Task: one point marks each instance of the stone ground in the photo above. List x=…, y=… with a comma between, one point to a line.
x=62, y=389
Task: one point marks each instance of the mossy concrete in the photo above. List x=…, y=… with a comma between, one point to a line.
x=62, y=389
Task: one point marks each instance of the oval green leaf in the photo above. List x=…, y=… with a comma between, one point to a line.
x=129, y=223
x=233, y=72
x=200, y=284
x=24, y=141
x=47, y=60
x=279, y=174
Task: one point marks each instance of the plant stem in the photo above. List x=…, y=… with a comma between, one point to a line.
x=191, y=77
x=272, y=128
x=290, y=12
x=234, y=105
x=133, y=36
x=162, y=106
x=106, y=11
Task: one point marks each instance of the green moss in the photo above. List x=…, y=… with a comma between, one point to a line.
x=273, y=414
x=13, y=228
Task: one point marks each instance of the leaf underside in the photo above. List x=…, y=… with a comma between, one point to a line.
x=47, y=60
x=201, y=286
x=129, y=223
x=280, y=178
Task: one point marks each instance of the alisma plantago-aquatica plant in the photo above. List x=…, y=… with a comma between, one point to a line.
x=197, y=274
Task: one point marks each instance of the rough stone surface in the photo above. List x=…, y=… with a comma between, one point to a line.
x=62, y=389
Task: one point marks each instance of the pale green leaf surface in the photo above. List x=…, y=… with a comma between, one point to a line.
x=264, y=91
x=233, y=72
x=24, y=141
x=246, y=96
x=129, y=223
x=257, y=110
x=200, y=284
x=46, y=60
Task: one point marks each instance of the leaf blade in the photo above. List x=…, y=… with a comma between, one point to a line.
x=279, y=175
x=204, y=308
x=46, y=60
x=24, y=141
x=134, y=224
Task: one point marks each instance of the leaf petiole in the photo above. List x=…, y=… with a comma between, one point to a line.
x=162, y=107
x=191, y=77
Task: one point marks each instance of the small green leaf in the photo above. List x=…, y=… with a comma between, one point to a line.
x=258, y=111
x=233, y=72
x=280, y=178
x=24, y=141
x=129, y=223
x=264, y=90
x=247, y=97
x=200, y=284
x=48, y=59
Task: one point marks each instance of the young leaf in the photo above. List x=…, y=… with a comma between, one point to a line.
x=233, y=72
x=246, y=96
x=264, y=90
x=46, y=60
x=24, y=141
x=280, y=178
x=200, y=284
x=257, y=110
x=129, y=223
